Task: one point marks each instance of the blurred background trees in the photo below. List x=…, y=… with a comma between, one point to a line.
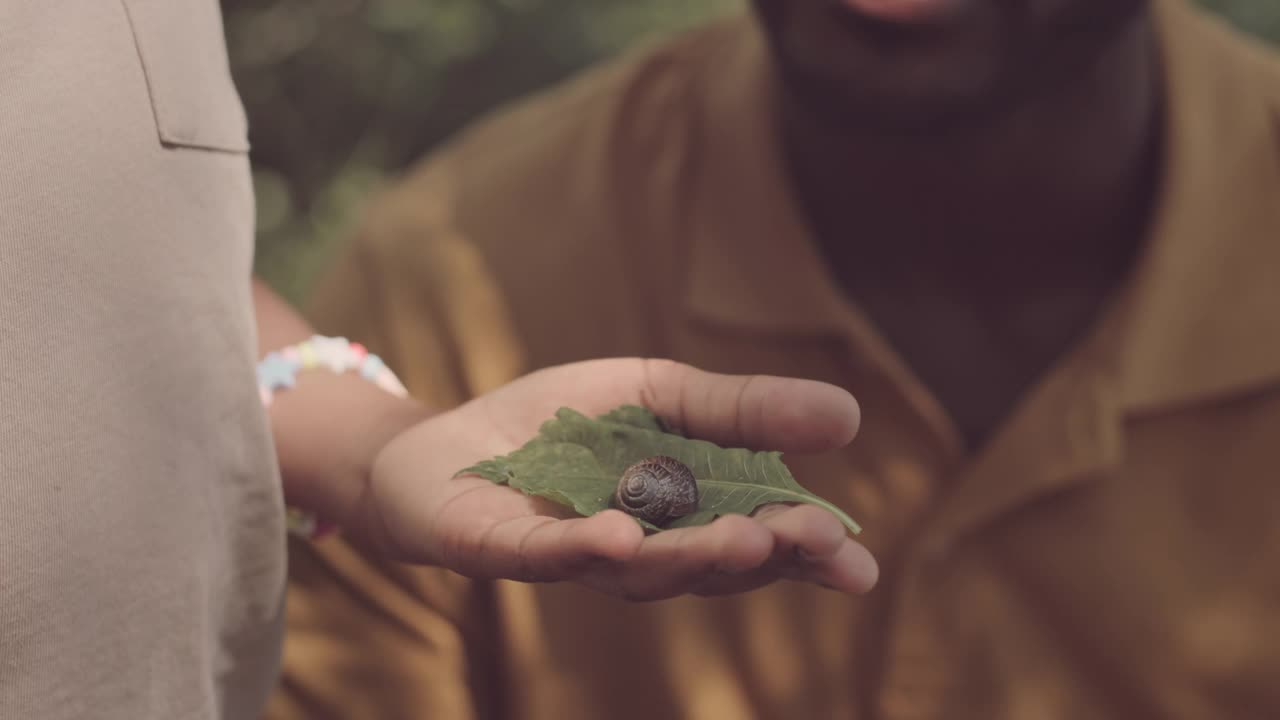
x=344, y=94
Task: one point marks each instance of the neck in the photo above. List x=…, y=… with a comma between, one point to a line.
x=1057, y=186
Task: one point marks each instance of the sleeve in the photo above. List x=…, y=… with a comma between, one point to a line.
x=366, y=638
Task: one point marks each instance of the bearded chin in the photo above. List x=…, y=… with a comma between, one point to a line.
x=895, y=93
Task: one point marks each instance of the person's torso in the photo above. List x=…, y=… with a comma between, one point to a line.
x=1100, y=558
x=141, y=529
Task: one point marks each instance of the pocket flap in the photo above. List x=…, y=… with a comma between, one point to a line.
x=184, y=57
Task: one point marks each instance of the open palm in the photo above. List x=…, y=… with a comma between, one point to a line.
x=480, y=529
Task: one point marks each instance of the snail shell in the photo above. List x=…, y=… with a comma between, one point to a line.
x=657, y=490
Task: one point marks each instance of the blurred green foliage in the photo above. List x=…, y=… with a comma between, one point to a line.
x=343, y=94
x=1261, y=17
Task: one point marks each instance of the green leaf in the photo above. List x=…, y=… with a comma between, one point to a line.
x=576, y=461
x=636, y=416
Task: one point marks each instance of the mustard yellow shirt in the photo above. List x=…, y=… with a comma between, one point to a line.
x=1112, y=552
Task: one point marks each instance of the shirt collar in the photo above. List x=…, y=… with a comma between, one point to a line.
x=1204, y=300
x=753, y=264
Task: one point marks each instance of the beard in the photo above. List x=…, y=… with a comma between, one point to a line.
x=980, y=62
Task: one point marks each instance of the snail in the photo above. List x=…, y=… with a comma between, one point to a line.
x=657, y=490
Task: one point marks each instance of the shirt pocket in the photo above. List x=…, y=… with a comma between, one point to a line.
x=184, y=58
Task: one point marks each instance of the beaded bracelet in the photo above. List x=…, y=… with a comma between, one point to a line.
x=279, y=370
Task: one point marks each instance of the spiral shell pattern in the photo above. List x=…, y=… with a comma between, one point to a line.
x=657, y=490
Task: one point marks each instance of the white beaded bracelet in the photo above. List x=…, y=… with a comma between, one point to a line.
x=279, y=370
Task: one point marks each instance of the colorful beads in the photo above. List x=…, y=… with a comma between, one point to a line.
x=333, y=353
x=277, y=371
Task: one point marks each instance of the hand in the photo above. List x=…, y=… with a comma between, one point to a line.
x=421, y=513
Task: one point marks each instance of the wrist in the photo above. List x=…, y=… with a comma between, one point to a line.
x=330, y=431
x=351, y=499
x=341, y=407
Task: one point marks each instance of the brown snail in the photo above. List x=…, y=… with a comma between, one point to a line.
x=657, y=490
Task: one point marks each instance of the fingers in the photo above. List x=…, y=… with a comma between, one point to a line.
x=804, y=530
x=534, y=548
x=736, y=554
x=609, y=551
x=810, y=545
x=758, y=411
x=851, y=569
x=673, y=562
